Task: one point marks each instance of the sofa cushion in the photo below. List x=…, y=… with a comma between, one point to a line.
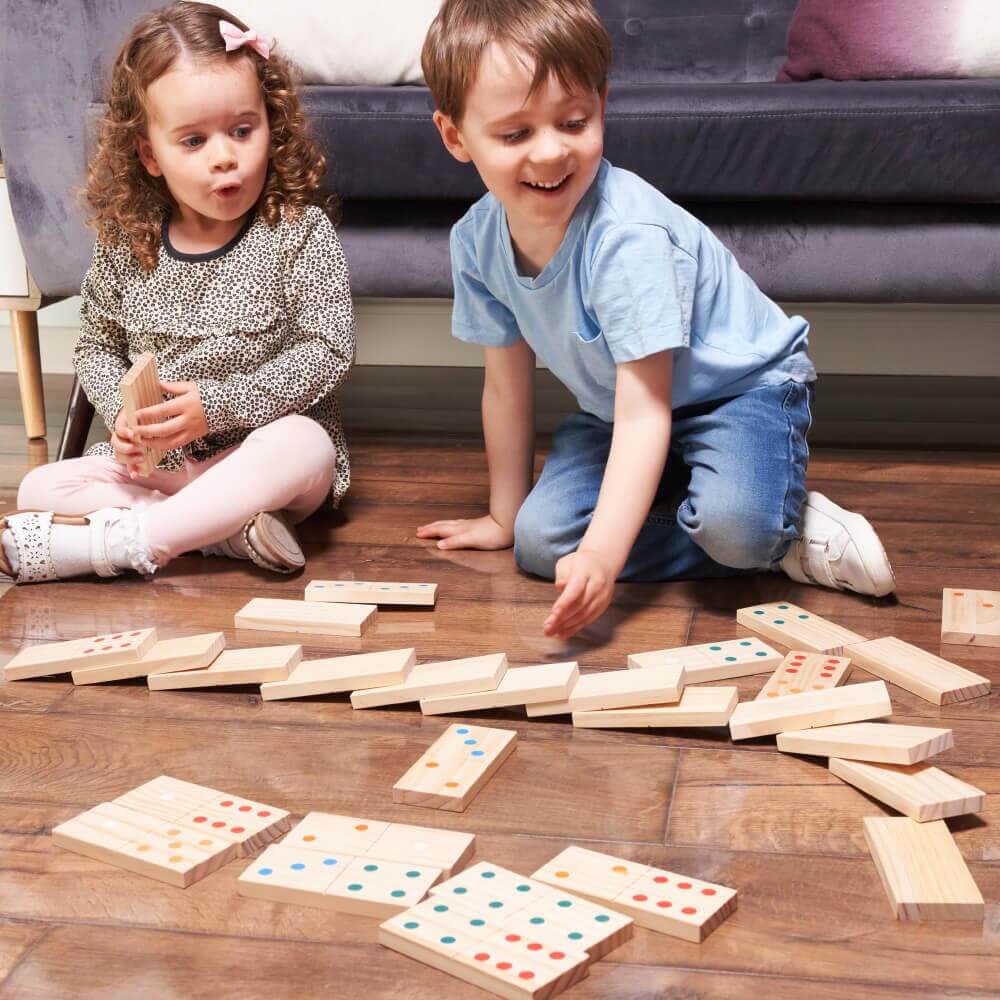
x=924, y=141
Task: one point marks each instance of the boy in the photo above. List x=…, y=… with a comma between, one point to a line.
x=689, y=457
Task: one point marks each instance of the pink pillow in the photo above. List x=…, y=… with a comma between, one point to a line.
x=893, y=39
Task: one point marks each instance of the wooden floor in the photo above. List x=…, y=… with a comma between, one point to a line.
x=813, y=920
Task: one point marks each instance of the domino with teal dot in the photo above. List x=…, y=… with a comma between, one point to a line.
x=797, y=628
x=714, y=661
x=372, y=592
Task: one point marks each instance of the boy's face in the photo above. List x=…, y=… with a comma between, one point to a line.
x=539, y=153
x=208, y=137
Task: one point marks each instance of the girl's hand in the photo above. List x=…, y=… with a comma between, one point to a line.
x=124, y=447
x=176, y=422
x=471, y=533
x=586, y=581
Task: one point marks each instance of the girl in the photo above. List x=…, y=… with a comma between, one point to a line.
x=213, y=254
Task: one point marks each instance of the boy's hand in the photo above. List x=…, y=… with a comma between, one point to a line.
x=176, y=422
x=124, y=446
x=587, y=584
x=471, y=533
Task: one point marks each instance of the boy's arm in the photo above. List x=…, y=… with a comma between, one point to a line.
x=640, y=441
x=509, y=429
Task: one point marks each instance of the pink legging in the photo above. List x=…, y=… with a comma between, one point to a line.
x=286, y=465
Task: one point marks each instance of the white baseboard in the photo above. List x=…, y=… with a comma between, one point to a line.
x=956, y=340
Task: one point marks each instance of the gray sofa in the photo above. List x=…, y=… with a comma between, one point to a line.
x=855, y=192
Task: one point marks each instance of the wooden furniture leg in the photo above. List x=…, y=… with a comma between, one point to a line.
x=79, y=415
x=24, y=324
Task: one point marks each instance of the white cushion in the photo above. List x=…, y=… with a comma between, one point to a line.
x=373, y=42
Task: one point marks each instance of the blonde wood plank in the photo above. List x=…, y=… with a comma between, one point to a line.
x=234, y=666
x=699, y=706
x=794, y=627
x=879, y=742
x=486, y=884
x=364, y=592
x=920, y=791
x=428, y=680
x=337, y=674
x=193, y=652
x=915, y=670
x=109, y=649
x=271, y=614
x=800, y=672
x=28, y=362
x=970, y=617
x=140, y=387
x=148, y=846
x=376, y=888
x=292, y=875
x=922, y=871
x=853, y=703
x=518, y=686
x=617, y=689
x=713, y=661
x=654, y=898
x=455, y=767
x=167, y=798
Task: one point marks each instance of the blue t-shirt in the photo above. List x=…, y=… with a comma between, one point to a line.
x=634, y=275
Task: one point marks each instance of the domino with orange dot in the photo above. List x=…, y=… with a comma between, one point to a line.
x=970, y=617
x=654, y=898
x=450, y=774
x=799, y=672
x=107, y=650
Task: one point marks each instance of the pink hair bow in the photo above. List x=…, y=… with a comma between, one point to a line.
x=235, y=39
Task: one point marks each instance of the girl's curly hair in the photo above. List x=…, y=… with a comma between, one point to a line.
x=127, y=204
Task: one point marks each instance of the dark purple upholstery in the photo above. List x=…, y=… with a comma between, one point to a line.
x=826, y=191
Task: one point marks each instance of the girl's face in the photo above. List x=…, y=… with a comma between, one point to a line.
x=208, y=137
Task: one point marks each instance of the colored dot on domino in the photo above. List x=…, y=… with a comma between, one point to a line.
x=441, y=908
x=238, y=829
x=683, y=885
x=760, y=653
x=489, y=874
x=481, y=956
x=602, y=918
x=175, y=845
x=396, y=893
x=361, y=826
x=451, y=784
x=513, y=937
x=708, y=892
x=526, y=975
x=689, y=910
x=779, y=621
x=619, y=870
x=298, y=866
x=447, y=939
x=562, y=874
x=266, y=871
x=496, y=904
x=477, y=753
x=142, y=847
x=460, y=890
x=664, y=904
x=504, y=966
x=309, y=838
x=803, y=617
x=175, y=859
x=477, y=922
x=355, y=887
x=715, y=649
x=537, y=920
x=575, y=935
x=746, y=642
x=660, y=879
x=462, y=731
x=227, y=802
x=371, y=868
x=640, y=897
x=431, y=763
x=782, y=607
x=534, y=946
x=412, y=925
x=730, y=659
x=329, y=861
x=413, y=874
x=470, y=743
x=758, y=612
x=564, y=903
x=524, y=887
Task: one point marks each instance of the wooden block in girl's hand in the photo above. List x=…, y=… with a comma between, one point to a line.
x=107, y=650
x=192, y=652
x=234, y=666
x=140, y=387
x=971, y=617
x=364, y=592
x=270, y=614
x=801, y=672
x=797, y=628
x=618, y=689
x=455, y=767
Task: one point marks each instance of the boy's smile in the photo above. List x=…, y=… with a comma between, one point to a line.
x=538, y=153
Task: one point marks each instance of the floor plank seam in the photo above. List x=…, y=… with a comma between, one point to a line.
x=30, y=948
x=673, y=792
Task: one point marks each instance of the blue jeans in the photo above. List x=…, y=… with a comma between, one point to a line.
x=729, y=502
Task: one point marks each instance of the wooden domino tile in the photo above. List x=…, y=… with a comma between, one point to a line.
x=106, y=650
x=922, y=871
x=270, y=614
x=970, y=617
x=430, y=680
x=144, y=844
x=654, y=898
x=337, y=674
x=920, y=791
x=852, y=703
x=801, y=672
x=234, y=666
x=291, y=875
x=518, y=686
x=713, y=661
x=362, y=592
x=193, y=652
x=447, y=850
x=879, y=742
x=794, y=627
x=699, y=706
x=455, y=767
x=617, y=689
x=927, y=676
x=485, y=885
x=140, y=388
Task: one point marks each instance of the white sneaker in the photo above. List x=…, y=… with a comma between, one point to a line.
x=838, y=549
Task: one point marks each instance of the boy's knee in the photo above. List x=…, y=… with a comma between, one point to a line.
x=742, y=539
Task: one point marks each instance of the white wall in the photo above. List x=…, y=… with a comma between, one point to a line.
x=846, y=339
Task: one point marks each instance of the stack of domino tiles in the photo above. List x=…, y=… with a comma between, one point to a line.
x=507, y=934
x=171, y=830
x=351, y=865
x=915, y=854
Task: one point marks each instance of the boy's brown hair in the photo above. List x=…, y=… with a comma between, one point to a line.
x=125, y=203
x=564, y=37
